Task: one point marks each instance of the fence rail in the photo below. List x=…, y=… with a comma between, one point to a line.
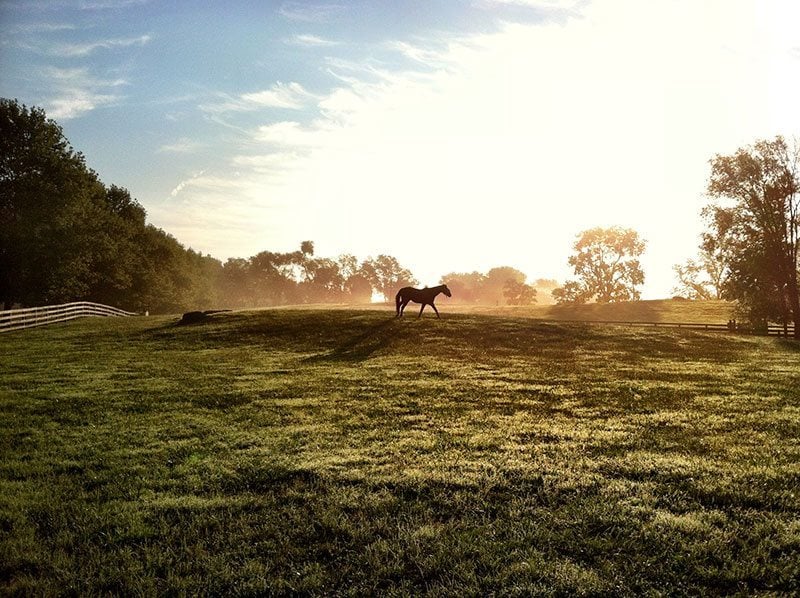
x=771, y=330
x=778, y=330
x=17, y=319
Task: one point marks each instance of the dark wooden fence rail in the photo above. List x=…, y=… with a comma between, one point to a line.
x=16, y=319
x=772, y=329
x=777, y=330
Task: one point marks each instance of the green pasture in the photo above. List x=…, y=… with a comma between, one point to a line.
x=343, y=451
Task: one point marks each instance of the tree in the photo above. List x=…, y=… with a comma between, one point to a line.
x=466, y=286
x=756, y=221
x=606, y=262
x=386, y=275
x=323, y=281
x=356, y=286
x=571, y=292
x=494, y=284
x=705, y=277
x=701, y=279
x=49, y=201
x=519, y=293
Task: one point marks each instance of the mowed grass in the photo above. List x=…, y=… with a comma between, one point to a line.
x=346, y=452
x=660, y=311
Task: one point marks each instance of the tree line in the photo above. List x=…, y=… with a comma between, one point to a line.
x=65, y=236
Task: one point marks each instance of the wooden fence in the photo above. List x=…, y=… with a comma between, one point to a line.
x=772, y=329
x=16, y=319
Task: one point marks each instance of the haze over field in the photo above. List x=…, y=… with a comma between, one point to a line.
x=496, y=129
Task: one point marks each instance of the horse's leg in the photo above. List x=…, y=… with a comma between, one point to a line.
x=420, y=310
x=436, y=310
x=403, y=306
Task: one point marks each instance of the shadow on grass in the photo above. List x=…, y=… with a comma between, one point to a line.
x=789, y=345
x=361, y=346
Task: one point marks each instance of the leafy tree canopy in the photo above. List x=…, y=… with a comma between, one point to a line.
x=755, y=226
x=606, y=263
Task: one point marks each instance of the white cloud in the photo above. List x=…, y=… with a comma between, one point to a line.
x=75, y=91
x=420, y=54
x=310, y=13
x=182, y=146
x=79, y=50
x=312, y=41
x=287, y=134
x=42, y=27
x=544, y=4
x=110, y=4
x=521, y=138
x=280, y=95
x=291, y=96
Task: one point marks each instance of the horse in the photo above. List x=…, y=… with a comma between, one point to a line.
x=424, y=296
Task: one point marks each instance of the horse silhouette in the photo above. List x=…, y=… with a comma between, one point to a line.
x=424, y=296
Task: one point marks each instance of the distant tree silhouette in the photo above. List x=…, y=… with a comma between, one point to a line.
x=519, y=293
x=606, y=261
x=467, y=287
x=386, y=275
x=492, y=288
x=494, y=285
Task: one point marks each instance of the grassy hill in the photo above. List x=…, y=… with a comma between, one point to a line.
x=657, y=310
x=340, y=451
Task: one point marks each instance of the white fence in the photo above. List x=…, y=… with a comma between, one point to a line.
x=16, y=319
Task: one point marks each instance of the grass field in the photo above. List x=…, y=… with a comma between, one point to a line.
x=346, y=452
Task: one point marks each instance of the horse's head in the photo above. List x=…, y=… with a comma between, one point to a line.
x=446, y=291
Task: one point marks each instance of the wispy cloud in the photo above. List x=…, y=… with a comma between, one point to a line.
x=312, y=41
x=78, y=50
x=277, y=162
x=182, y=146
x=281, y=95
x=418, y=53
x=41, y=27
x=55, y=5
x=288, y=134
x=110, y=4
x=569, y=6
x=310, y=13
x=75, y=92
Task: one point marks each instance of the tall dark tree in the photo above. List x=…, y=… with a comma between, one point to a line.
x=356, y=286
x=386, y=275
x=48, y=199
x=756, y=218
x=323, y=281
x=606, y=262
x=64, y=236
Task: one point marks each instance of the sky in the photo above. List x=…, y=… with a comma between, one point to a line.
x=454, y=135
